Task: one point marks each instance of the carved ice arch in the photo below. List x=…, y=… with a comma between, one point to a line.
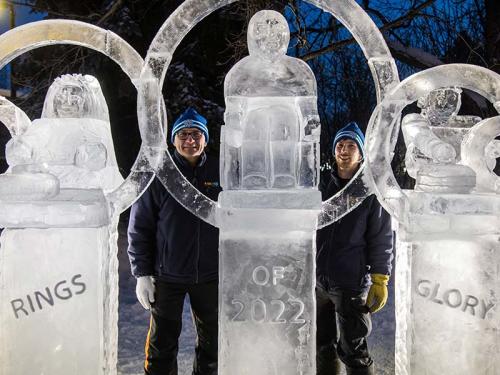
x=151, y=113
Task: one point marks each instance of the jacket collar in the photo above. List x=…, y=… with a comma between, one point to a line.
x=184, y=164
x=339, y=182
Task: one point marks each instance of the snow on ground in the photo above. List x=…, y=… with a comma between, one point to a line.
x=134, y=324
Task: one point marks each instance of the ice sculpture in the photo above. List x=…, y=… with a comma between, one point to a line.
x=72, y=141
x=59, y=205
x=59, y=168
x=268, y=171
x=270, y=202
x=434, y=139
x=448, y=252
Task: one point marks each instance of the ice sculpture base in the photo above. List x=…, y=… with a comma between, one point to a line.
x=267, y=308
x=52, y=301
x=70, y=208
x=447, y=272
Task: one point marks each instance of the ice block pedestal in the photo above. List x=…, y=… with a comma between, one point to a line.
x=448, y=277
x=267, y=279
x=58, y=269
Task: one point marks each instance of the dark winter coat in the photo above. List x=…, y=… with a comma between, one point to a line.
x=358, y=244
x=166, y=240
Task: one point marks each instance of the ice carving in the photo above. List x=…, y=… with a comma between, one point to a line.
x=59, y=205
x=271, y=203
x=151, y=114
x=272, y=123
x=72, y=141
x=448, y=256
x=434, y=139
x=270, y=158
x=480, y=150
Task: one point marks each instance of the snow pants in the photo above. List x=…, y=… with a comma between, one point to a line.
x=347, y=339
x=162, y=343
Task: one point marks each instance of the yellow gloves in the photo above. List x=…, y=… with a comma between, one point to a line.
x=377, y=295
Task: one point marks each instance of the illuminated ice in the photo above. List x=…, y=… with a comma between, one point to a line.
x=448, y=252
x=57, y=311
x=72, y=140
x=268, y=209
x=434, y=139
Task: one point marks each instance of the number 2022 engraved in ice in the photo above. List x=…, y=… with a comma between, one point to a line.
x=273, y=311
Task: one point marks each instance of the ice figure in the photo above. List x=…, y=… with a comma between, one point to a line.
x=71, y=141
x=268, y=209
x=448, y=251
x=272, y=124
x=434, y=139
x=56, y=259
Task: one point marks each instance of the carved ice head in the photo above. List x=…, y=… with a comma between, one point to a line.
x=268, y=35
x=441, y=104
x=75, y=96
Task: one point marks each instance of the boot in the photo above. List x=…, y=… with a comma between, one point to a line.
x=327, y=361
x=370, y=370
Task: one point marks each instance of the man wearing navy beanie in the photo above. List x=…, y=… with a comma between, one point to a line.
x=353, y=264
x=173, y=253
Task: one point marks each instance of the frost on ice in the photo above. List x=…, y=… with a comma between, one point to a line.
x=268, y=209
x=71, y=141
x=448, y=252
x=58, y=251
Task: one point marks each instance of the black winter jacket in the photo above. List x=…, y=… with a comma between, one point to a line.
x=166, y=240
x=356, y=245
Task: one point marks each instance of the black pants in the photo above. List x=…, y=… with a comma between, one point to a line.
x=347, y=340
x=166, y=324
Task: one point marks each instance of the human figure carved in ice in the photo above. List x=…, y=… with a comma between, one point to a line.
x=271, y=136
x=70, y=146
x=433, y=139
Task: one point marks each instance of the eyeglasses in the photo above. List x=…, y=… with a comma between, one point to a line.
x=196, y=135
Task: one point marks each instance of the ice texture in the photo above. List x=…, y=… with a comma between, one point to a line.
x=448, y=252
x=60, y=202
x=72, y=141
x=51, y=311
x=480, y=151
x=448, y=306
x=268, y=209
x=54, y=208
x=152, y=118
x=434, y=139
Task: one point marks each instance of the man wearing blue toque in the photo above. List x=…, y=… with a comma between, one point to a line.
x=353, y=261
x=173, y=253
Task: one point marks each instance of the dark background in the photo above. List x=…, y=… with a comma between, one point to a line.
x=420, y=34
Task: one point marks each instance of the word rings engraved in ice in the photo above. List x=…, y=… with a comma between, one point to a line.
x=79, y=222
x=48, y=296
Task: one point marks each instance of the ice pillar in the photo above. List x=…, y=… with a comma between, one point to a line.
x=58, y=251
x=56, y=267
x=268, y=209
x=448, y=277
x=448, y=255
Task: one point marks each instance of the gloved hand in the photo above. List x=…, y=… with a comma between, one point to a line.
x=145, y=291
x=377, y=295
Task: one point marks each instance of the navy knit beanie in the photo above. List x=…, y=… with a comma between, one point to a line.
x=351, y=131
x=190, y=119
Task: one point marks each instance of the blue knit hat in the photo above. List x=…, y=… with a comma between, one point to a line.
x=190, y=119
x=351, y=131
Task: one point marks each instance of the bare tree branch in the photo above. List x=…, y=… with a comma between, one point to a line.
x=112, y=10
x=399, y=22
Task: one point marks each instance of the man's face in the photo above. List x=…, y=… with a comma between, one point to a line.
x=69, y=102
x=347, y=155
x=190, y=143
